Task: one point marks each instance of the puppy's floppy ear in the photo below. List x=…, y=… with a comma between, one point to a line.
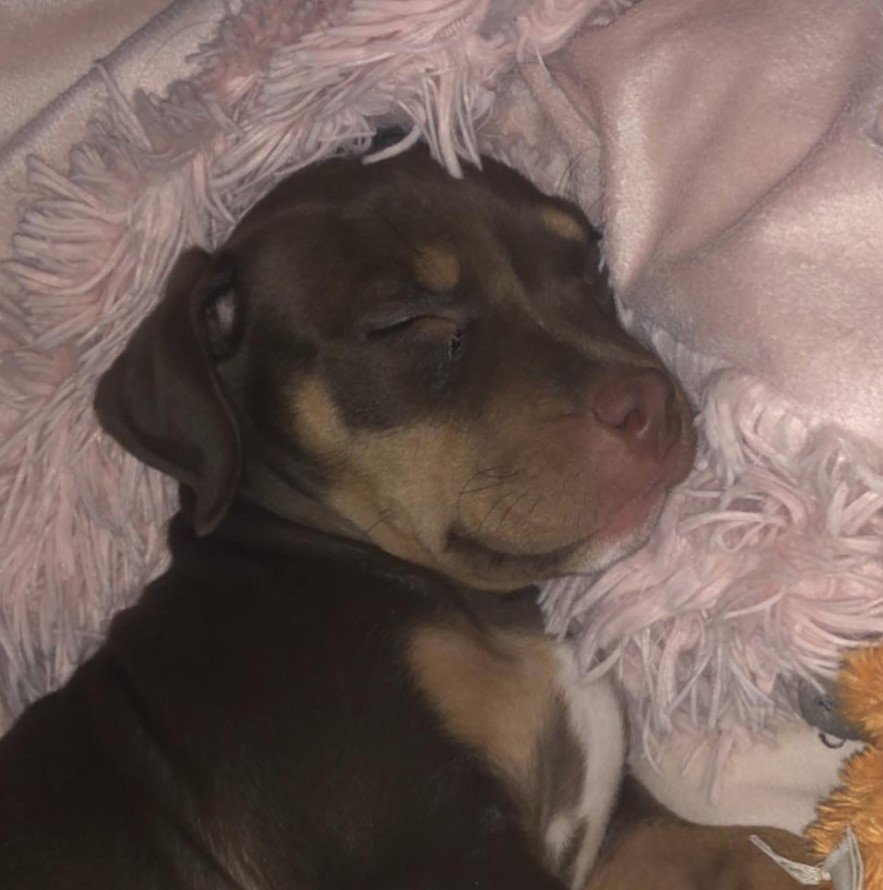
x=162, y=399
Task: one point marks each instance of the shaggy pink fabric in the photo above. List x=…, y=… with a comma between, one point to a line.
x=734, y=154
x=285, y=83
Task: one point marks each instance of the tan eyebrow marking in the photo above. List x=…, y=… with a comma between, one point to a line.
x=561, y=223
x=436, y=268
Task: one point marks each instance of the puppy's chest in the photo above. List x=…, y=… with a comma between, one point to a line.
x=514, y=697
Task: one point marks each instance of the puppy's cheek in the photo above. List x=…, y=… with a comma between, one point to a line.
x=317, y=423
x=400, y=487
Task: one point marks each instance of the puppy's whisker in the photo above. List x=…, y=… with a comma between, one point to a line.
x=479, y=488
x=494, y=473
x=384, y=517
x=490, y=512
x=510, y=508
x=499, y=473
x=533, y=509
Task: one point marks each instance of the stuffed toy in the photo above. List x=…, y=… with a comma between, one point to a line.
x=857, y=803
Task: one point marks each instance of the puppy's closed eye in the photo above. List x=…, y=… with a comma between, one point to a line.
x=396, y=315
x=434, y=342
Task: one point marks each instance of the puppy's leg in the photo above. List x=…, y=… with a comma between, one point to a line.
x=648, y=846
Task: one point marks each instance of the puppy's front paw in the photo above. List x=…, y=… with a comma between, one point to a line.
x=696, y=857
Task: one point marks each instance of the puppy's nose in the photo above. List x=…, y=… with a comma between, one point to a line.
x=640, y=406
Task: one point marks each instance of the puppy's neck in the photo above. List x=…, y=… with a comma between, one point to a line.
x=293, y=503
x=310, y=529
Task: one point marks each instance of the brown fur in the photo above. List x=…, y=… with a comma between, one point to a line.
x=680, y=856
x=649, y=847
x=495, y=692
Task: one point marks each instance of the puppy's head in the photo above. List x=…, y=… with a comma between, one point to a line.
x=437, y=361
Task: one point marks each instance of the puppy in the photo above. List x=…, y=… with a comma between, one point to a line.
x=394, y=401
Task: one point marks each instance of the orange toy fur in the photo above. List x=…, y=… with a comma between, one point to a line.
x=859, y=799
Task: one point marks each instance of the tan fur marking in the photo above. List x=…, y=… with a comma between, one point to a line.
x=317, y=421
x=437, y=268
x=394, y=484
x=561, y=223
x=494, y=695
x=397, y=485
x=400, y=485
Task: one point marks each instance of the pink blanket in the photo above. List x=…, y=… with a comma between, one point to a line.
x=732, y=153
x=735, y=160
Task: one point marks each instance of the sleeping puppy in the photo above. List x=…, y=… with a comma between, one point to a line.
x=393, y=402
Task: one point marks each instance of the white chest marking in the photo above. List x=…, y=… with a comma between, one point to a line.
x=596, y=720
